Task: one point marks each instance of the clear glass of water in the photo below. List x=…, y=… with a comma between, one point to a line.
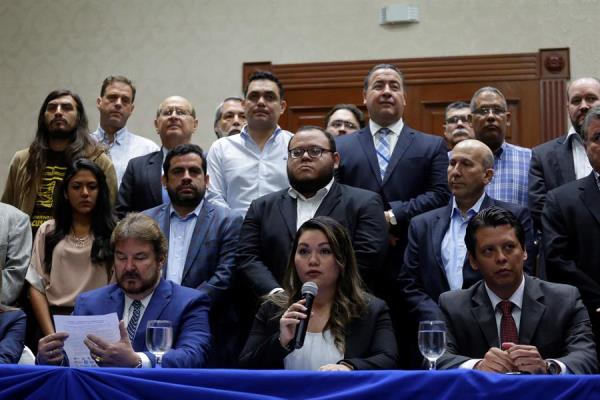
x=432, y=340
x=159, y=338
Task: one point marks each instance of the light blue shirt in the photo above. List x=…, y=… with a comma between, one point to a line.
x=240, y=172
x=125, y=146
x=454, y=249
x=180, y=236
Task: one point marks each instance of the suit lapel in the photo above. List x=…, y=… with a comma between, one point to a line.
x=365, y=139
x=531, y=310
x=590, y=195
x=287, y=207
x=484, y=316
x=563, y=162
x=203, y=223
x=117, y=300
x=160, y=298
x=153, y=174
x=404, y=141
x=331, y=200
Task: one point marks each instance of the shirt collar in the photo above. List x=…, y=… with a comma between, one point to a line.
x=473, y=210
x=498, y=153
x=516, y=298
x=321, y=193
x=195, y=213
x=244, y=133
x=145, y=301
x=573, y=135
x=396, y=127
x=119, y=135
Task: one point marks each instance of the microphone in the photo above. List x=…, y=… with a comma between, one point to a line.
x=309, y=291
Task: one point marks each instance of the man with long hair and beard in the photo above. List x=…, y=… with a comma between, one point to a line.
x=62, y=137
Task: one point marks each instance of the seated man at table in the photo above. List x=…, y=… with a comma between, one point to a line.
x=138, y=296
x=510, y=322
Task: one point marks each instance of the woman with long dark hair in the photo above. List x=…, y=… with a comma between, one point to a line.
x=71, y=253
x=348, y=328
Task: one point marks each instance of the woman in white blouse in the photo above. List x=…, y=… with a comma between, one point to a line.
x=348, y=328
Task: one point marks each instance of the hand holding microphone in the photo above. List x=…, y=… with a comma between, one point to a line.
x=294, y=321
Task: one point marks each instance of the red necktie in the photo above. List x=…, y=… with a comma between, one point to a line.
x=508, y=328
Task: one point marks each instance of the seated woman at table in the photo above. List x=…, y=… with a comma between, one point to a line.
x=71, y=253
x=348, y=329
x=12, y=334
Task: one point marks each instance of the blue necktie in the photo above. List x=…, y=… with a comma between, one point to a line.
x=133, y=321
x=382, y=148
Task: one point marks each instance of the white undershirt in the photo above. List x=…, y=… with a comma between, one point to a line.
x=319, y=349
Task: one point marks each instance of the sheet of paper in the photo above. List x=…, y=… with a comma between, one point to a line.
x=78, y=327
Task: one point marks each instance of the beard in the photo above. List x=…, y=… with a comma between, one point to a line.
x=186, y=200
x=144, y=284
x=309, y=185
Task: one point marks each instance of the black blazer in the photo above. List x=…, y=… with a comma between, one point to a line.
x=551, y=166
x=370, y=340
x=553, y=319
x=423, y=278
x=141, y=187
x=269, y=229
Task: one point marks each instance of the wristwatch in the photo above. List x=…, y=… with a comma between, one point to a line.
x=552, y=368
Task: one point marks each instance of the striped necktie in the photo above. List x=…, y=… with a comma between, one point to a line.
x=382, y=148
x=134, y=319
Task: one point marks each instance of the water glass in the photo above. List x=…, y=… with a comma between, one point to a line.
x=159, y=338
x=432, y=340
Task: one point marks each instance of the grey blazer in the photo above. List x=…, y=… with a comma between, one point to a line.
x=15, y=251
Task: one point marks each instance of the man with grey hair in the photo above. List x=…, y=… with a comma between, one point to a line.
x=490, y=119
x=229, y=117
x=140, y=295
x=571, y=227
x=435, y=260
x=457, y=126
x=563, y=159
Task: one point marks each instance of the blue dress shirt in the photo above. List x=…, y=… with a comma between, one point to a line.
x=511, y=171
x=180, y=236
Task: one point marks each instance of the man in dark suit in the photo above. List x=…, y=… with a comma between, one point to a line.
x=435, y=260
x=571, y=227
x=138, y=296
x=272, y=220
x=406, y=167
x=141, y=187
x=509, y=322
x=202, y=239
x=563, y=159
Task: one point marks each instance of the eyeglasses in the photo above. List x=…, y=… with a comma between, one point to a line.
x=180, y=112
x=338, y=123
x=456, y=118
x=313, y=152
x=483, y=111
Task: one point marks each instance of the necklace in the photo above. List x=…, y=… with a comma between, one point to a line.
x=79, y=241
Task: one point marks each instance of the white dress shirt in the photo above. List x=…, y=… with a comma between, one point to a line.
x=580, y=159
x=306, y=208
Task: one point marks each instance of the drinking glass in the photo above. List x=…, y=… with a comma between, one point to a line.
x=159, y=338
x=432, y=340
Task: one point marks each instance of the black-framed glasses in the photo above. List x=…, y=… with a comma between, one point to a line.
x=313, y=152
x=456, y=118
x=483, y=111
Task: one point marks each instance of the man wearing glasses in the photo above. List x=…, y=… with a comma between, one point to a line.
x=344, y=119
x=490, y=119
x=141, y=186
x=457, y=126
x=272, y=220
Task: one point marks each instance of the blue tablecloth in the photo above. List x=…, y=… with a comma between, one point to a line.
x=17, y=382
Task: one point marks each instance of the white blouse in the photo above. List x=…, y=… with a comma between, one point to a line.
x=319, y=349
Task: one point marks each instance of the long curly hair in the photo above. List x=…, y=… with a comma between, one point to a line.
x=350, y=300
x=103, y=221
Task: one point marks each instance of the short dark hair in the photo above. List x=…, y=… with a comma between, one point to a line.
x=593, y=114
x=383, y=66
x=117, y=78
x=328, y=135
x=141, y=227
x=264, y=75
x=456, y=105
x=492, y=217
x=360, y=117
x=182, y=150
x=219, y=112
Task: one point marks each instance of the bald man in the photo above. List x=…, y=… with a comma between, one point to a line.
x=435, y=260
x=141, y=187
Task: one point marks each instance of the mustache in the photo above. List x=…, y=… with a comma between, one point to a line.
x=130, y=275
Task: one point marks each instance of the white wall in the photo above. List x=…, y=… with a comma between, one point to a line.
x=196, y=48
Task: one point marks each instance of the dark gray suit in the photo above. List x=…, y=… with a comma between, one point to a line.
x=553, y=319
x=141, y=187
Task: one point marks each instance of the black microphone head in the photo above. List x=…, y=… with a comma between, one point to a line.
x=310, y=288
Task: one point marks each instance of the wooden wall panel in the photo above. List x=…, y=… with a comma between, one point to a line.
x=533, y=83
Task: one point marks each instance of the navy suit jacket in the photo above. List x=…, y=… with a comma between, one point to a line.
x=210, y=262
x=186, y=308
x=270, y=227
x=141, y=187
x=553, y=319
x=12, y=336
x=423, y=278
x=551, y=166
